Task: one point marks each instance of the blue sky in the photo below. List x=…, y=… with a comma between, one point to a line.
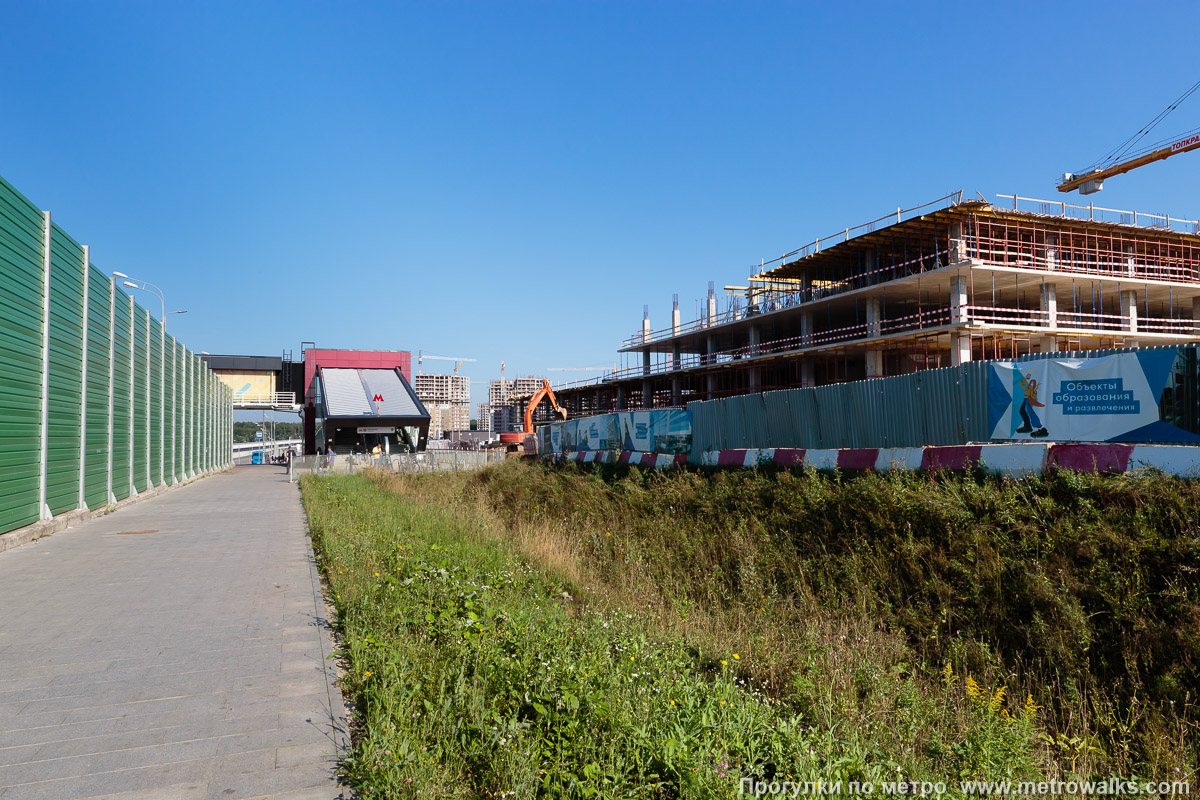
x=513, y=181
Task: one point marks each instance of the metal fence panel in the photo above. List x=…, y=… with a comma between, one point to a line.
x=20, y=357
x=95, y=489
x=141, y=400
x=66, y=372
x=181, y=440
x=156, y=397
x=832, y=414
x=122, y=397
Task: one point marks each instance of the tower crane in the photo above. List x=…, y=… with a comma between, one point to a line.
x=1124, y=157
x=421, y=357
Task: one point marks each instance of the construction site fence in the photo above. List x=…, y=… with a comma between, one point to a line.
x=947, y=406
x=99, y=403
x=666, y=430
x=428, y=461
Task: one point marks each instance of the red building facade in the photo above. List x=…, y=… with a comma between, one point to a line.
x=350, y=359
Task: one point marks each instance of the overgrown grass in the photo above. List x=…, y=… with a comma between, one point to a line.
x=558, y=631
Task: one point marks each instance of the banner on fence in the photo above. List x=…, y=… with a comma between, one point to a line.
x=598, y=433
x=665, y=431
x=1109, y=399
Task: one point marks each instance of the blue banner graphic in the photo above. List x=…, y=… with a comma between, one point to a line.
x=1108, y=399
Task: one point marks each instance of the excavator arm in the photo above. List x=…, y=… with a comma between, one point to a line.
x=532, y=405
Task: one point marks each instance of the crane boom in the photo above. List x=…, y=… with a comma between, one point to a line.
x=1096, y=178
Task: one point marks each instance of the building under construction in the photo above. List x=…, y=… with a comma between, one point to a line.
x=448, y=400
x=952, y=281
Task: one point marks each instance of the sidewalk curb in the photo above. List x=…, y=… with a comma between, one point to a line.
x=337, y=703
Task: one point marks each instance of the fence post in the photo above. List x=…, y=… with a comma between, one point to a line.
x=174, y=408
x=149, y=415
x=83, y=386
x=162, y=401
x=112, y=344
x=43, y=508
x=132, y=394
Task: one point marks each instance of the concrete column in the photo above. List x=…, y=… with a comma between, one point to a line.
x=1052, y=251
x=676, y=356
x=755, y=339
x=711, y=348
x=960, y=310
x=1130, y=261
x=958, y=245
x=620, y=398
x=874, y=357
x=712, y=308
x=960, y=347
x=646, y=361
x=874, y=317
x=675, y=317
x=676, y=390
x=806, y=328
x=1050, y=304
x=711, y=384
x=1129, y=310
x=806, y=372
x=754, y=377
x=647, y=395
x=646, y=325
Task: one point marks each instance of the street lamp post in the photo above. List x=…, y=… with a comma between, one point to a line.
x=146, y=286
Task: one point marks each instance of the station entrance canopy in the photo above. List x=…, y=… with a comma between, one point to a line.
x=358, y=408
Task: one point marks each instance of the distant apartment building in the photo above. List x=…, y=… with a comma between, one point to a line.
x=447, y=398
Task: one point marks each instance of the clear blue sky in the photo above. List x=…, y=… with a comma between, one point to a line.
x=514, y=180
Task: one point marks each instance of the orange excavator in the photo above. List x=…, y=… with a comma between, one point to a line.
x=521, y=443
x=532, y=405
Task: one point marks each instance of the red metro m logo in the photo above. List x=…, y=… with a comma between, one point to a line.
x=377, y=398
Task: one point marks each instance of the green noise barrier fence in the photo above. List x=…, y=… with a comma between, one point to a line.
x=97, y=402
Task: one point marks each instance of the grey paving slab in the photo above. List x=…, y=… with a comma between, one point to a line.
x=186, y=663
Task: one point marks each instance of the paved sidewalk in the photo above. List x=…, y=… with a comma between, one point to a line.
x=187, y=663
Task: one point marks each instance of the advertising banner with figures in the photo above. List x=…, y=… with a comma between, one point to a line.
x=665, y=431
x=1109, y=399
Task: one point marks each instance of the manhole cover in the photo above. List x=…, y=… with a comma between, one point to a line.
x=132, y=533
